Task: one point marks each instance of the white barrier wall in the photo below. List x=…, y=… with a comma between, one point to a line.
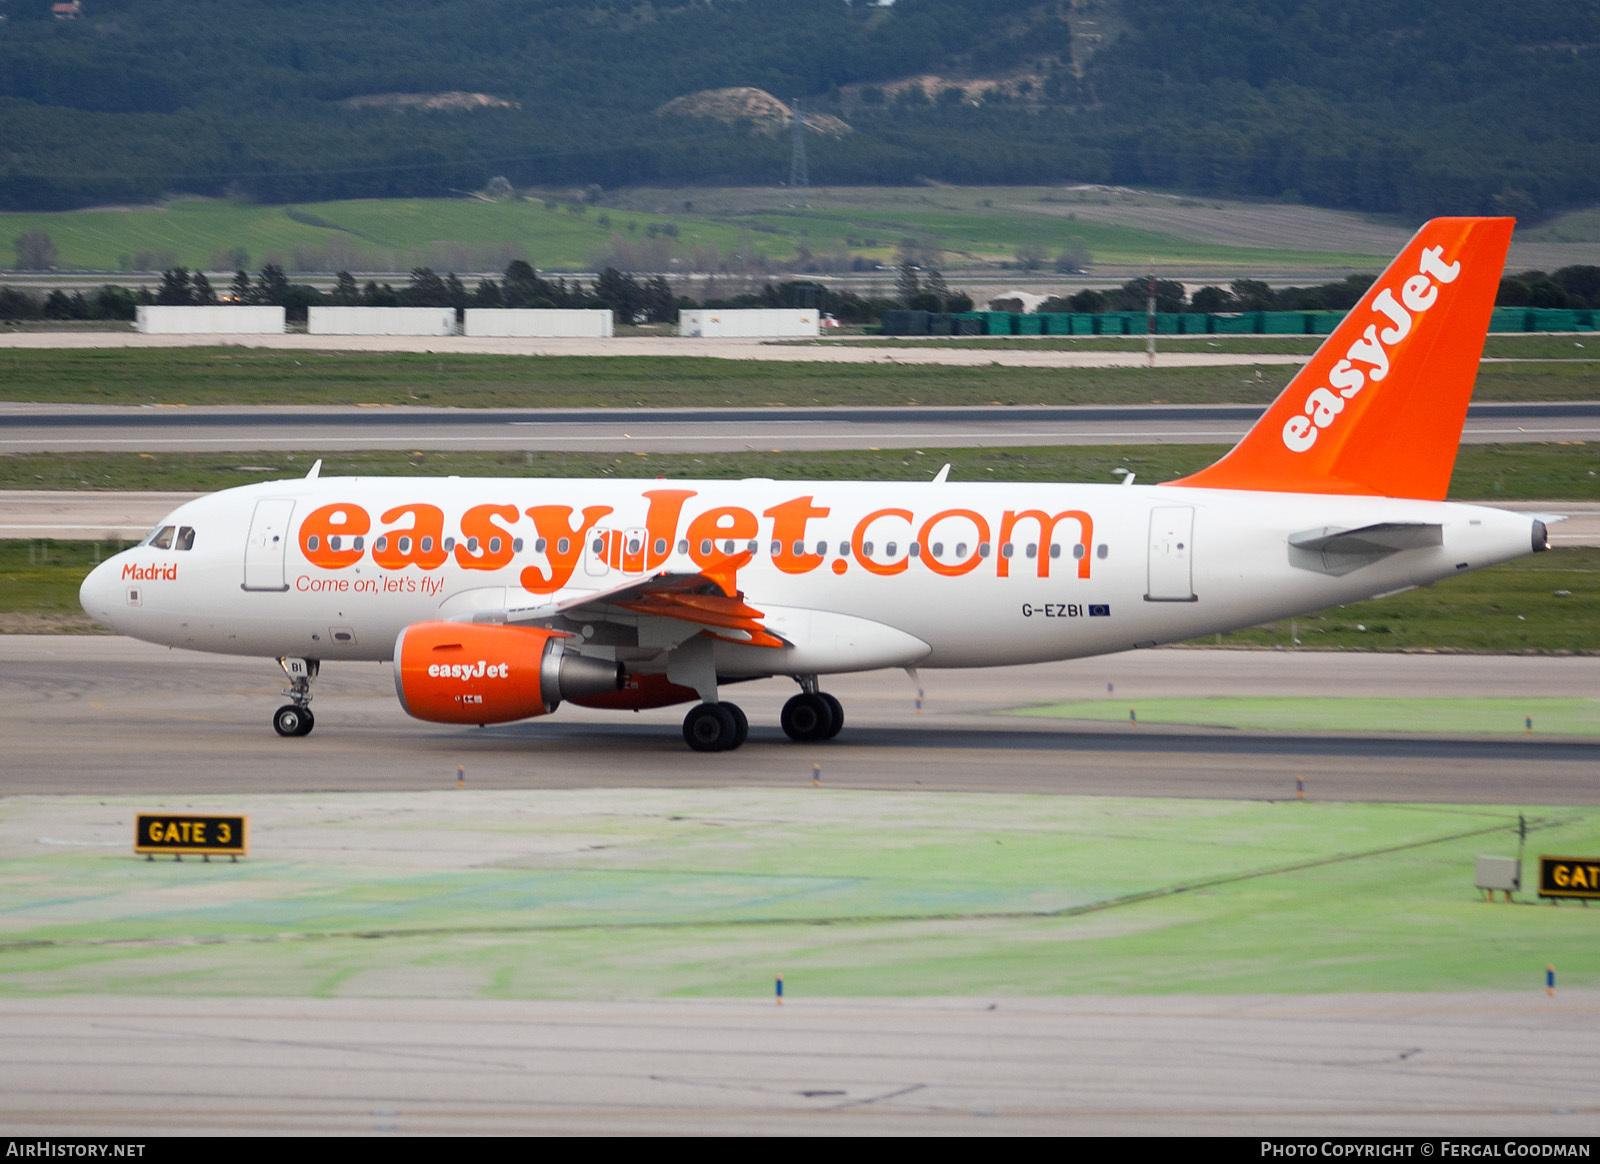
x=381, y=321
x=538, y=322
x=749, y=322
x=232, y=320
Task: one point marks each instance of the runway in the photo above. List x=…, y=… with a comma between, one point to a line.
x=33, y=428
x=106, y=715
x=1445, y=1065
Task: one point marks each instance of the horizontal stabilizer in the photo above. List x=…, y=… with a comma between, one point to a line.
x=1335, y=550
x=1386, y=537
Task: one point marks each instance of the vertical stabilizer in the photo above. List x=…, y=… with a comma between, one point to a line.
x=1379, y=408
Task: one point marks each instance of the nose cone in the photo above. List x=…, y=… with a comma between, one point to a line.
x=98, y=594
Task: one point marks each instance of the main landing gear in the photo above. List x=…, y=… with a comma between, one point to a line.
x=720, y=727
x=715, y=727
x=294, y=718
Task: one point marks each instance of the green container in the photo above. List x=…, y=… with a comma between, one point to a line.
x=1246, y=323
x=1027, y=324
x=1561, y=319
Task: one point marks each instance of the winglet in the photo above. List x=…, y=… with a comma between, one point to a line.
x=1378, y=410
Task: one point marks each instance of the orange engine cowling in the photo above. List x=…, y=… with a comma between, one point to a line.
x=455, y=672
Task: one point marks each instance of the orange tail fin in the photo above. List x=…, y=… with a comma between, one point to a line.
x=1379, y=408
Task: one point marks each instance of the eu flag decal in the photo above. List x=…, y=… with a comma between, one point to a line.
x=1097, y=610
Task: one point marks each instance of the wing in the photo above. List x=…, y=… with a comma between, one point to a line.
x=693, y=599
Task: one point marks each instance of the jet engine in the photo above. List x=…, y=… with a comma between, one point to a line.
x=453, y=672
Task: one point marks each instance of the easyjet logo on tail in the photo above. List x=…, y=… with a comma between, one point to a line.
x=1367, y=358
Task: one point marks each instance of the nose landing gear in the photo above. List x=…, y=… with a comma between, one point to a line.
x=811, y=715
x=295, y=718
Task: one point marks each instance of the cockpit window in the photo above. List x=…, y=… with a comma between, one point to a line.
x=185, y=537
x=163, y=538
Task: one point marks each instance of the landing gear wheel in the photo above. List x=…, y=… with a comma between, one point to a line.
x=290, y=720
x=741, y=725
x=711, y=727
x=809, y=717
x=838, y=713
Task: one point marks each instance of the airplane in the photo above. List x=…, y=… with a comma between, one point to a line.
x=499, y=599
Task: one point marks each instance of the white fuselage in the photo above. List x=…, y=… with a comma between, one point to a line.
x=934, y=574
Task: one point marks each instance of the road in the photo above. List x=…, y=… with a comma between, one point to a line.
x=100, y=428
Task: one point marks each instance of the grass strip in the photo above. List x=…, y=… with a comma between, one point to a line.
x=216, y=375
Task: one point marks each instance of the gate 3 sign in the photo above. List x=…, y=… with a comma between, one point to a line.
x=187, y=833
x=1569, y=877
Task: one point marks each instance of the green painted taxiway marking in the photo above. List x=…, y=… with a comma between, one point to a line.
x=653, y=893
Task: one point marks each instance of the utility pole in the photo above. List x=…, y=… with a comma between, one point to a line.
x=1150, y=317
x=799, y=180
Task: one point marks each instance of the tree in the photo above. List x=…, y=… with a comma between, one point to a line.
x=1211, y=300
x=1030, y=256
x=202, y=292
x=906, y=285
x=35, y=251
x=59, y=305
x=1134, y=295
x=346, y=292
x=272, y=285
x=1075, y=259
x=426, y=289
x=112, y=302
x=16, y=304
x=621, y=293
x=1253, y=295
x=176, y=290
x=456, y=292
x=660, y=305
x=522, y=284
x=240, y=290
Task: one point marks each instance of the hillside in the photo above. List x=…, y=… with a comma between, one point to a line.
x=1411, y=109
